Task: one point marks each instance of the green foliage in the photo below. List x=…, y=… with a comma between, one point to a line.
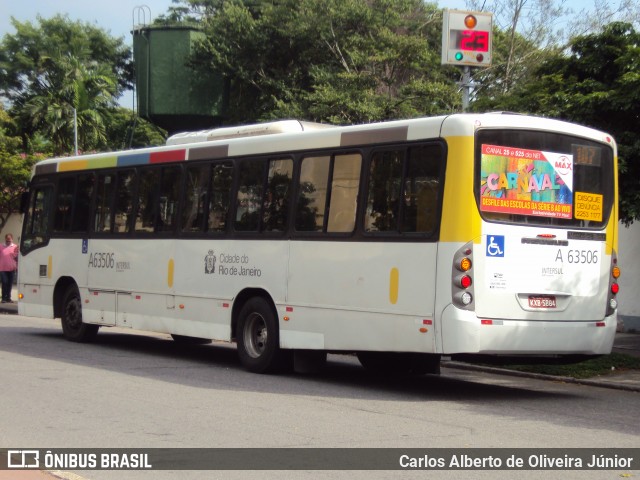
x=189, y=12
x=515, y=62
x=29, y=57
x=14, y=177
x=589, y=368
x=50, y=70
x=16, y=168
x=127, y=130
x=87, y=90
x=338, y=61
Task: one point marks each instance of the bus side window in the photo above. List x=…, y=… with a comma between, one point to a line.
x=385, y=177
x=276, y=202
x=195, y=197
x=149, y=179
x=249, y=199
x=64, y=204
x=124, y=201
x=421, y=190
x=82, y=202
x=220, y=199
x=36, y=223
x=168, y=199
x=105, y=193
x=344, y=193
x=312, y=197
x=403, y=191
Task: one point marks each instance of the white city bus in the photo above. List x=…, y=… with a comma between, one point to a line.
x=461, y=235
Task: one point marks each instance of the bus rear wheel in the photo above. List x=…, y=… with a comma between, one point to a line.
x=73, y=328
x=258, y=337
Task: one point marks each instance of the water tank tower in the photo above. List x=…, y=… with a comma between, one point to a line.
x=169, y=92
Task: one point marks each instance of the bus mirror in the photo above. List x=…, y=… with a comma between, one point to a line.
x=24, y=202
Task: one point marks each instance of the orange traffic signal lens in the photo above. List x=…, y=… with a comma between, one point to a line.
x=470, y=21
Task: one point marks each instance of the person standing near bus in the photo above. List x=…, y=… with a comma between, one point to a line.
x=8, y=266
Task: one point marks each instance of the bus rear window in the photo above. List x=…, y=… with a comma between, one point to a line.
x=543, y=178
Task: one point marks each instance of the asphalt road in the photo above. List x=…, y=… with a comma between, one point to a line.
x=138, y=390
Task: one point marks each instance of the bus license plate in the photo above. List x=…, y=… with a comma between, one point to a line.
x=542, y=302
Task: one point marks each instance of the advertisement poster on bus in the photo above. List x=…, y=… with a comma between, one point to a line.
x=526, y=182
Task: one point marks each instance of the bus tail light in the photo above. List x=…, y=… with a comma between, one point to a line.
x=465, y=264
x=462, y=278
x=614, y=286
x=615, y=272
x=465, y=281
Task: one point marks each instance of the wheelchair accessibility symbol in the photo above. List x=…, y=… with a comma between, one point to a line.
x=495, y=246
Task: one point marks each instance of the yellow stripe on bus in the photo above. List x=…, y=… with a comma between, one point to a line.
x=612, y=227
x=394, y=284
x=73, y=165
x=460, y=217
x=170, y=273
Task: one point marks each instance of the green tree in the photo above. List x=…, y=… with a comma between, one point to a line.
x=49, y=69
x=127, y=130
x=70, y=92
x=26, y=55
x=340, y=61
x=15, y=171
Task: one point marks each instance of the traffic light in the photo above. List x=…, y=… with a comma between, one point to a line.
x=467, y=38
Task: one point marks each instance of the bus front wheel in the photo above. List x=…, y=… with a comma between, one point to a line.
x=258, y=337
x=73, y=328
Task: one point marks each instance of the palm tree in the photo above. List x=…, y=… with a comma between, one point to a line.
x=70, y=84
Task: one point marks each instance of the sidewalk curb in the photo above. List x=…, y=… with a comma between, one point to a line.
x=540, y=376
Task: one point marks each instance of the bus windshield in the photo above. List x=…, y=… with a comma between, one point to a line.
x=543, y=178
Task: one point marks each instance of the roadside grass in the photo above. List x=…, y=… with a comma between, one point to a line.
x=604, y=365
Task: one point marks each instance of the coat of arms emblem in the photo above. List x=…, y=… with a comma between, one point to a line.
x=210, y=262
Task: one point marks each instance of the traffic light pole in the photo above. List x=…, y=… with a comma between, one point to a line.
x=466, y=85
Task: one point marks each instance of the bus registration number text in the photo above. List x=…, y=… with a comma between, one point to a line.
x=542, y=302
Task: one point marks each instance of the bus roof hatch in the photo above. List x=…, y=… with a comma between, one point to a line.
x=269, y=128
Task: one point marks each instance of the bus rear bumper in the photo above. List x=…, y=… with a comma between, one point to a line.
x=464, y=332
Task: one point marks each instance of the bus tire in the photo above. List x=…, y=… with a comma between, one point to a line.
x=258, y=337
x=392, y=363
x=73, y=328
